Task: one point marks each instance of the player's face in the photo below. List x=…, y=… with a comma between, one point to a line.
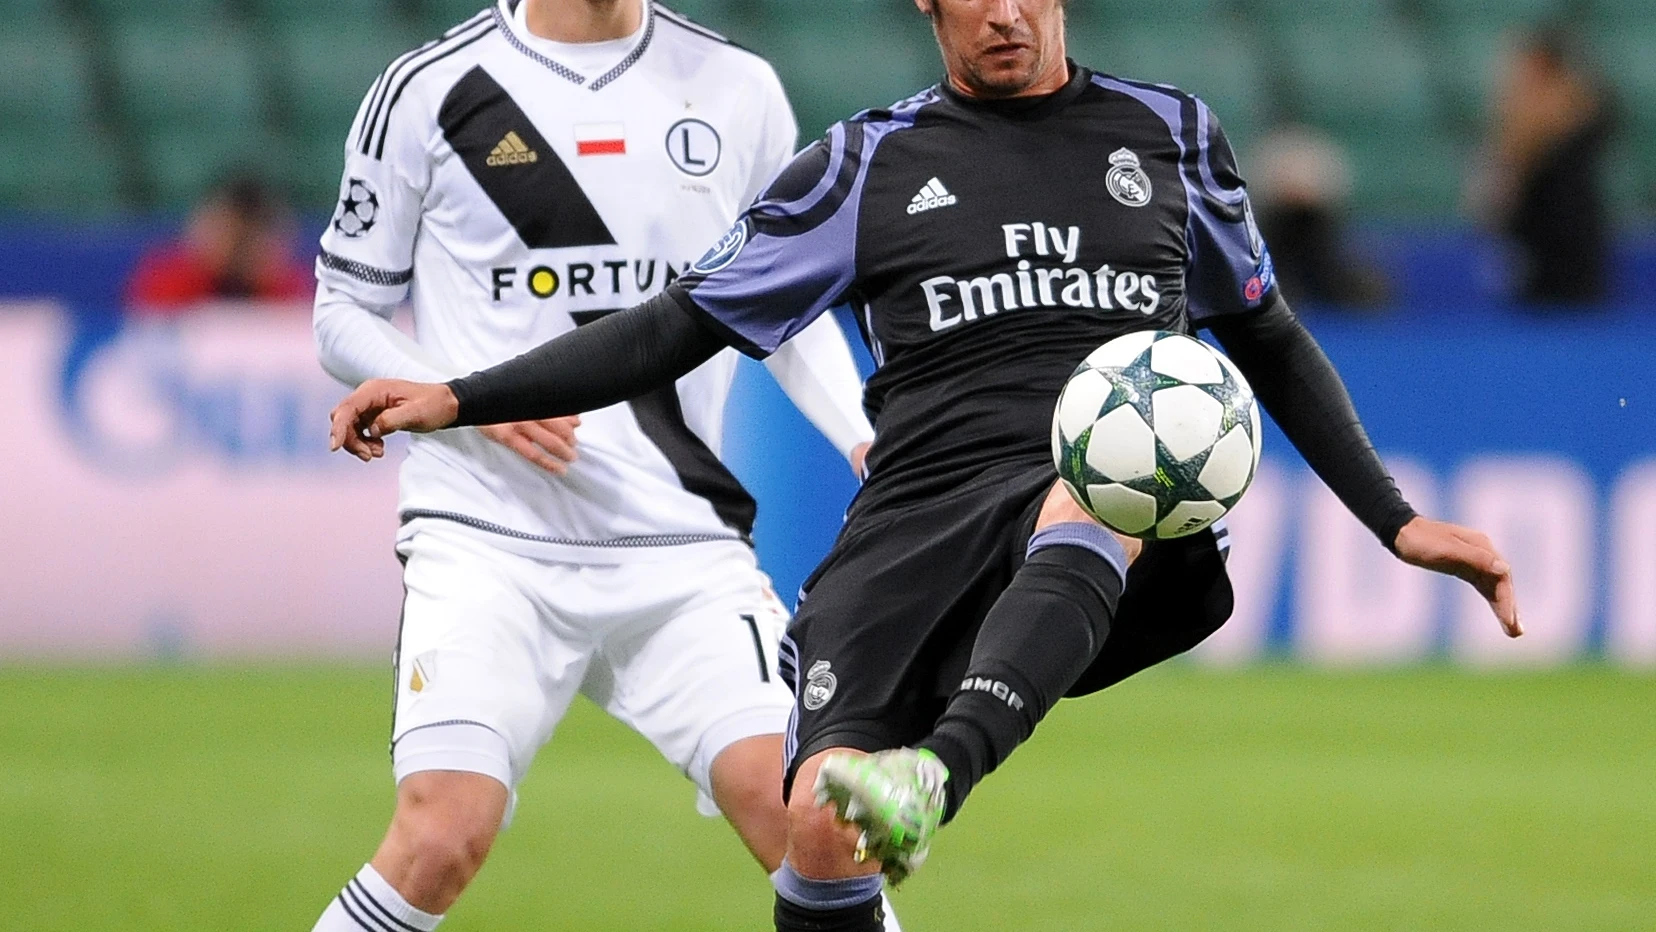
x=1000, y=48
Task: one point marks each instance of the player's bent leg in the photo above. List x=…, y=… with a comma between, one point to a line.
x=1040, y=636
x=747, y=786
x=1177, y=597
x=444, y=826
x=481, y=683
x=822, y=886
x=895, y=796
x=452, y=800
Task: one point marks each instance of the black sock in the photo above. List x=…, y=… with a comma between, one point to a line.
x=1037, y=640
x=868, y=916
x=844, y=904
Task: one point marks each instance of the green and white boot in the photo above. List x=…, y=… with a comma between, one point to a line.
x=895, y=797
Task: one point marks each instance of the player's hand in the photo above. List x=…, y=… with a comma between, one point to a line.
x=859, y=460
x=549, y=444
x=1467, y=554
x=384, y=406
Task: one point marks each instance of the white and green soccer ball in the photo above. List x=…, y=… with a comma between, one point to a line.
x=1156, y=435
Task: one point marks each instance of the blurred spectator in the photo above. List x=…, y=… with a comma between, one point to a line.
x=1542, y=177
x=237, y=245
x=1302, y=180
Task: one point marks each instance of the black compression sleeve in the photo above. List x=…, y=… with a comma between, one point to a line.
x=1294, y=380
x=618, y=357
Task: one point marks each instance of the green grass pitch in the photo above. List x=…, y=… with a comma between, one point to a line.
x=186, y=799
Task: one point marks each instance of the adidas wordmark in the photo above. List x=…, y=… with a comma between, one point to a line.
x=931, y=195
x=511, y=151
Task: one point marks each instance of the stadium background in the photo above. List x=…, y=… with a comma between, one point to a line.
x=194, y=598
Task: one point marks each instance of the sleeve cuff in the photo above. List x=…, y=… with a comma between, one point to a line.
x=1394, y=523
x=730, y=337
x=363, y=272
x=462, y=392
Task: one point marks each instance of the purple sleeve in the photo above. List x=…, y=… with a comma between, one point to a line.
x=792, y=255
x=1230, y=265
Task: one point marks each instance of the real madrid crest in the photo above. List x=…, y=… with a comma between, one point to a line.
x=820, y=684
x=1127, y=181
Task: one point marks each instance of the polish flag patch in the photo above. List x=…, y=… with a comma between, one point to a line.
x=600, y=139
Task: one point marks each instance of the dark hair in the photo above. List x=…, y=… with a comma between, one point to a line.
x=935, y=15
x=249, y=196
x=1554, y=44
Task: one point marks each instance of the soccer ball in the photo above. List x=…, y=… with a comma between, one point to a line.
x=1156, y=435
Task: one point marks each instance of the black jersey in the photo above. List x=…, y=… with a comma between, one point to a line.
x=987, y=247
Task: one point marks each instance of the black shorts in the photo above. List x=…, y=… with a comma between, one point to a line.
x=886, y=624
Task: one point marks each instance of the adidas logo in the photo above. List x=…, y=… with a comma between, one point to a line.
x=511, y=151
x=932, y=195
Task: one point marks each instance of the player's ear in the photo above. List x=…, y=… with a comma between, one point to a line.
x=925, y=6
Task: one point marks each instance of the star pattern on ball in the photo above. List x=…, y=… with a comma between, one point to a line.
x=1174, y=481
x=1237, y=401
x=1134, y=384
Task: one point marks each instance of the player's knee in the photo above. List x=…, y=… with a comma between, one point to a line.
x=819, y=844
x=1061, y=508
x=746, y=781
x=446, y=823
x=746, y=778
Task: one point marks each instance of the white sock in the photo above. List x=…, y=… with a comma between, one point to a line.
x=891, y=924
x=369, y=903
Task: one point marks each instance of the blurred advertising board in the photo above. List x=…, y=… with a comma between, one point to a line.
x=166, y=491
x=1540, y=432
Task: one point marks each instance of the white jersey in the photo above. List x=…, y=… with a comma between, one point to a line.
x=515, y=188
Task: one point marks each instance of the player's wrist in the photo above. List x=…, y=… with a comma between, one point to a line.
x=451, y=403
x=456, y=393
x=1393, y=534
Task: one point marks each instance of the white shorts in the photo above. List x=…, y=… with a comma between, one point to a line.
x=494, y=646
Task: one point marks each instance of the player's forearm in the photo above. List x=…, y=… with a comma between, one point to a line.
x=816, y=371
x=619, y=357
x=355, y=344
x=1299, y=386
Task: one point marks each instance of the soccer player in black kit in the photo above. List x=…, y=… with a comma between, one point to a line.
x=989, y=233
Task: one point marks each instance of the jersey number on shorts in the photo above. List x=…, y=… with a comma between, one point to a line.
x=758, y=647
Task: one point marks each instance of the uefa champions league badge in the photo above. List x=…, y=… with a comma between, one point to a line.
x=1127, y=181
x=724, y=251
x=358, y=209
x=1262, y=280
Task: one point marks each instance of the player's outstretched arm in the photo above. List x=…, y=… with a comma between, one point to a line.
x=356, y=342
x=622, y=356
x=377, y=407
x=1299, y=386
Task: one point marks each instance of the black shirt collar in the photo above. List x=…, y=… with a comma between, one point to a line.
x=1024, y=108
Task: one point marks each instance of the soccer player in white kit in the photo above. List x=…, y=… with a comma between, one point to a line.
x=539, y=165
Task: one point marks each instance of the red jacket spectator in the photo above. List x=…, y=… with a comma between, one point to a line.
x=237, y=245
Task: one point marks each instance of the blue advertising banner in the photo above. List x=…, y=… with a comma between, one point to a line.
x=1541, y=432
x=169, y=492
